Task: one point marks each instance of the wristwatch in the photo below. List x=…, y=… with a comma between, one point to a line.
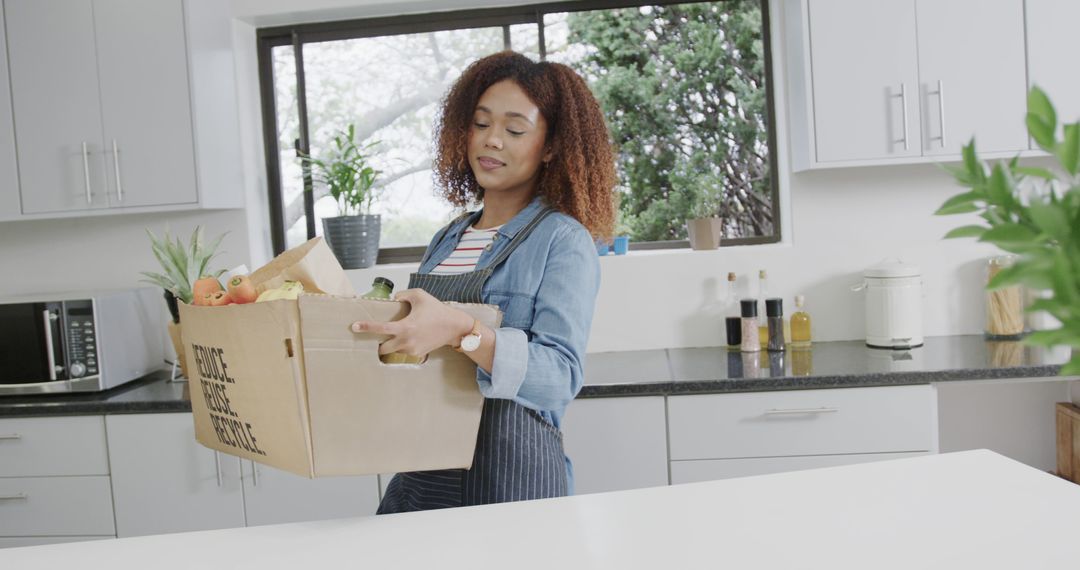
x=471, y=341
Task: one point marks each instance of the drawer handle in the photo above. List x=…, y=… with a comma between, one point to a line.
x=775, y=412
x=10, y=436
x=15, y=497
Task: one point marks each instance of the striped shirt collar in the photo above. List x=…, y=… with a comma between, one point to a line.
x=507, y=230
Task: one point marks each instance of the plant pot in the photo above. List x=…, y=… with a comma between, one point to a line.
x=621, y=245
x=174, y=310
x=353, y=239
x=704, y=233
x=602, y=247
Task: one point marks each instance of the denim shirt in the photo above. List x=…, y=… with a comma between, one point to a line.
x=546, y=290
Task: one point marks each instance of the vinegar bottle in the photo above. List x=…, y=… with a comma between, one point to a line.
x=800, y=324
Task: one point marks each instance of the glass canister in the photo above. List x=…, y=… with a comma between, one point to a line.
x=1005, y=306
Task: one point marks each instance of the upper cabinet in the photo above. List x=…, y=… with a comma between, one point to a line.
x=145, y=101
x=973, y=79
x=102, y=97
x=1051, y=46
x=9, y=180
x=898, y=81
x=102, y=112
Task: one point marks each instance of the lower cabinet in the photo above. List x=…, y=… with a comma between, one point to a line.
x=616, y=443
x=712, y=469
x=165, y=481
x=720, y=436
x=272, y=496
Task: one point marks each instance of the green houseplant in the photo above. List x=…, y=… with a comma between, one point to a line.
x=350, y=179
x=1035, y=214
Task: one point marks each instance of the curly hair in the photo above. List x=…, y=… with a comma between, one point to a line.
x=580, y=178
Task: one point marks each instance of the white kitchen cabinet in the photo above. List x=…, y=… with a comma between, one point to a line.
x=902, y=81
x=113, y=100
x=10, y=204
x=616, y=443
x=54, y=479
x=57, y=107
x=164, y=481
x=713, y=469
x=973, y=77
x=56, y=506
x=272, y=496
x=1051, y=47
x=145, y=102
x=102, y=107
x=53, y=446
x=865, y=79
x=802, y=422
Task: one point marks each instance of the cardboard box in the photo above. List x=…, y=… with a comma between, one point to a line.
x=287, y=384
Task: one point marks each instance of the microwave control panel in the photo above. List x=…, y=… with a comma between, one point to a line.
x=81, y=338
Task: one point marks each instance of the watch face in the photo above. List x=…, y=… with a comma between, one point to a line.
x=470, y=342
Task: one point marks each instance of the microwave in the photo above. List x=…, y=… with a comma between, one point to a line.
x=80, y=342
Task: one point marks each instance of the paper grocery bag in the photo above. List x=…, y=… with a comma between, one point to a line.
x=312, y=264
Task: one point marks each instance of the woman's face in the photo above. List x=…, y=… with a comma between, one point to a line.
x=506, y=140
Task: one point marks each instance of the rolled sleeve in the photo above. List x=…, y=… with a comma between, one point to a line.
x=508, y=367
x=543, y=371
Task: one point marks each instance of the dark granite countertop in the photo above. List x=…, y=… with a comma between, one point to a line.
x=841, y=364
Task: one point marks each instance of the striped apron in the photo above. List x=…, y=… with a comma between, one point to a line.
x=519, y=455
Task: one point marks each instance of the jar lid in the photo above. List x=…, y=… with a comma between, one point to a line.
x=384, y=281
x=774, y=307
x=892, y=268
x=749, y=307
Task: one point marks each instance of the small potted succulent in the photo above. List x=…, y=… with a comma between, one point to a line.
x=350, y=178
x=704, y=227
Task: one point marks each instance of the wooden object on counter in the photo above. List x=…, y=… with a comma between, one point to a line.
x=1068, y=441
x=178, y=346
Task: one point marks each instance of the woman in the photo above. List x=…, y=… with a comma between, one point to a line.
x=528, y=140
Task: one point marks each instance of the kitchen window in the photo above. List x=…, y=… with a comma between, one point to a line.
x=684, y=86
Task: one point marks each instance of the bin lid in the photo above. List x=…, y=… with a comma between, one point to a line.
x=892, y=268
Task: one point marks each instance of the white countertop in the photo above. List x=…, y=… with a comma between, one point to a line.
x=973, y=509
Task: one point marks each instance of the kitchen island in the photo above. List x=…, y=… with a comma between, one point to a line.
x=972, y=509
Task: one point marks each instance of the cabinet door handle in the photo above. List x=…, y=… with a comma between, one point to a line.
x=10, y=436
x=903, y=113
x=254, y=474
x=86, y=171
x=822, y=410
x=941, y=110
x=217, y=467
x=15, y=497
x=116, y=167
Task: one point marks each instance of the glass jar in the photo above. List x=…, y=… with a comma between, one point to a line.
x=1005, y=306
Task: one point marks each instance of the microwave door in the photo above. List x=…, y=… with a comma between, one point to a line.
x=31, y=343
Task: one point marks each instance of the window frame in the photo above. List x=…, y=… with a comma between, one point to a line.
x=297, y=35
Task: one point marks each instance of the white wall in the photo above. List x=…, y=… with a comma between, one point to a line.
x=840, y=222
x=105, y=252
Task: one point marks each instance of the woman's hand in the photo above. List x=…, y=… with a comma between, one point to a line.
x=429, y=325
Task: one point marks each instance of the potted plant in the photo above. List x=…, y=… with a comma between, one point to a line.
x=704, y=227
x=181, y=266
x=623, y=228
x=353, y=235
x=1035, y=214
